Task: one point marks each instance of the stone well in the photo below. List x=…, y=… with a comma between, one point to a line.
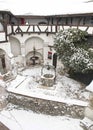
x=48, y=75
x=47, y=80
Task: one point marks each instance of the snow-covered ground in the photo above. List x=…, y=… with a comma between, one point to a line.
x=28, y=83
x=27, y=120
x=64, y=90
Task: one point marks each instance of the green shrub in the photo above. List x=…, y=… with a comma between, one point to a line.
x=72, y=48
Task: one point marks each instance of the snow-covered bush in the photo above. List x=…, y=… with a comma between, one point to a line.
x=80, y=61
x=72, y=48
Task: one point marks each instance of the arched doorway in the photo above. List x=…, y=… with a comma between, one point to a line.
x=34, y=51
x=33, y=58
x=2, y=62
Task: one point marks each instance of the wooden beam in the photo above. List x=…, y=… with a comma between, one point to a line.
x=28, y=28
x=84, y=19
x=18, y=29
x=79, y=21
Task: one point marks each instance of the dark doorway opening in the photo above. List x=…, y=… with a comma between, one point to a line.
x=2, y=64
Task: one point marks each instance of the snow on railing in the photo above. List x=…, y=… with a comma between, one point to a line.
x=2, y=36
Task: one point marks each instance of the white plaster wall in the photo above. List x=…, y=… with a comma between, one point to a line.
x=1, y=27
x=16, y=49
x=7, y=62
x=49, y=39
x=9, y=29
x=19, y=60
x=15, y=46
x=6, y=47
x=32, y=43
x=2, y=36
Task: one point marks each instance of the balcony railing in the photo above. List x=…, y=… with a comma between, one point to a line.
x=35, y=29
x=14, y=29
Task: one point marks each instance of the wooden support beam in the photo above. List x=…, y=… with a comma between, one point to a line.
x=84, y=20
x=18, y=29
x=79, y=21
x=39, y=28
x=87, y=28
x=28, y=28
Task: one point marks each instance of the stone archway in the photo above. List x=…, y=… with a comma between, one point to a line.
x=34, y=51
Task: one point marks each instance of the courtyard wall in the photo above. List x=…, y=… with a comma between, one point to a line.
x=44, y=106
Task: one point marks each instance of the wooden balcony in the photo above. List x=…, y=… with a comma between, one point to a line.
x=47, y=29
x=34, y=29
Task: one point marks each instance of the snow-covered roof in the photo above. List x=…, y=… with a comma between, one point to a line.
x=57, y=15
